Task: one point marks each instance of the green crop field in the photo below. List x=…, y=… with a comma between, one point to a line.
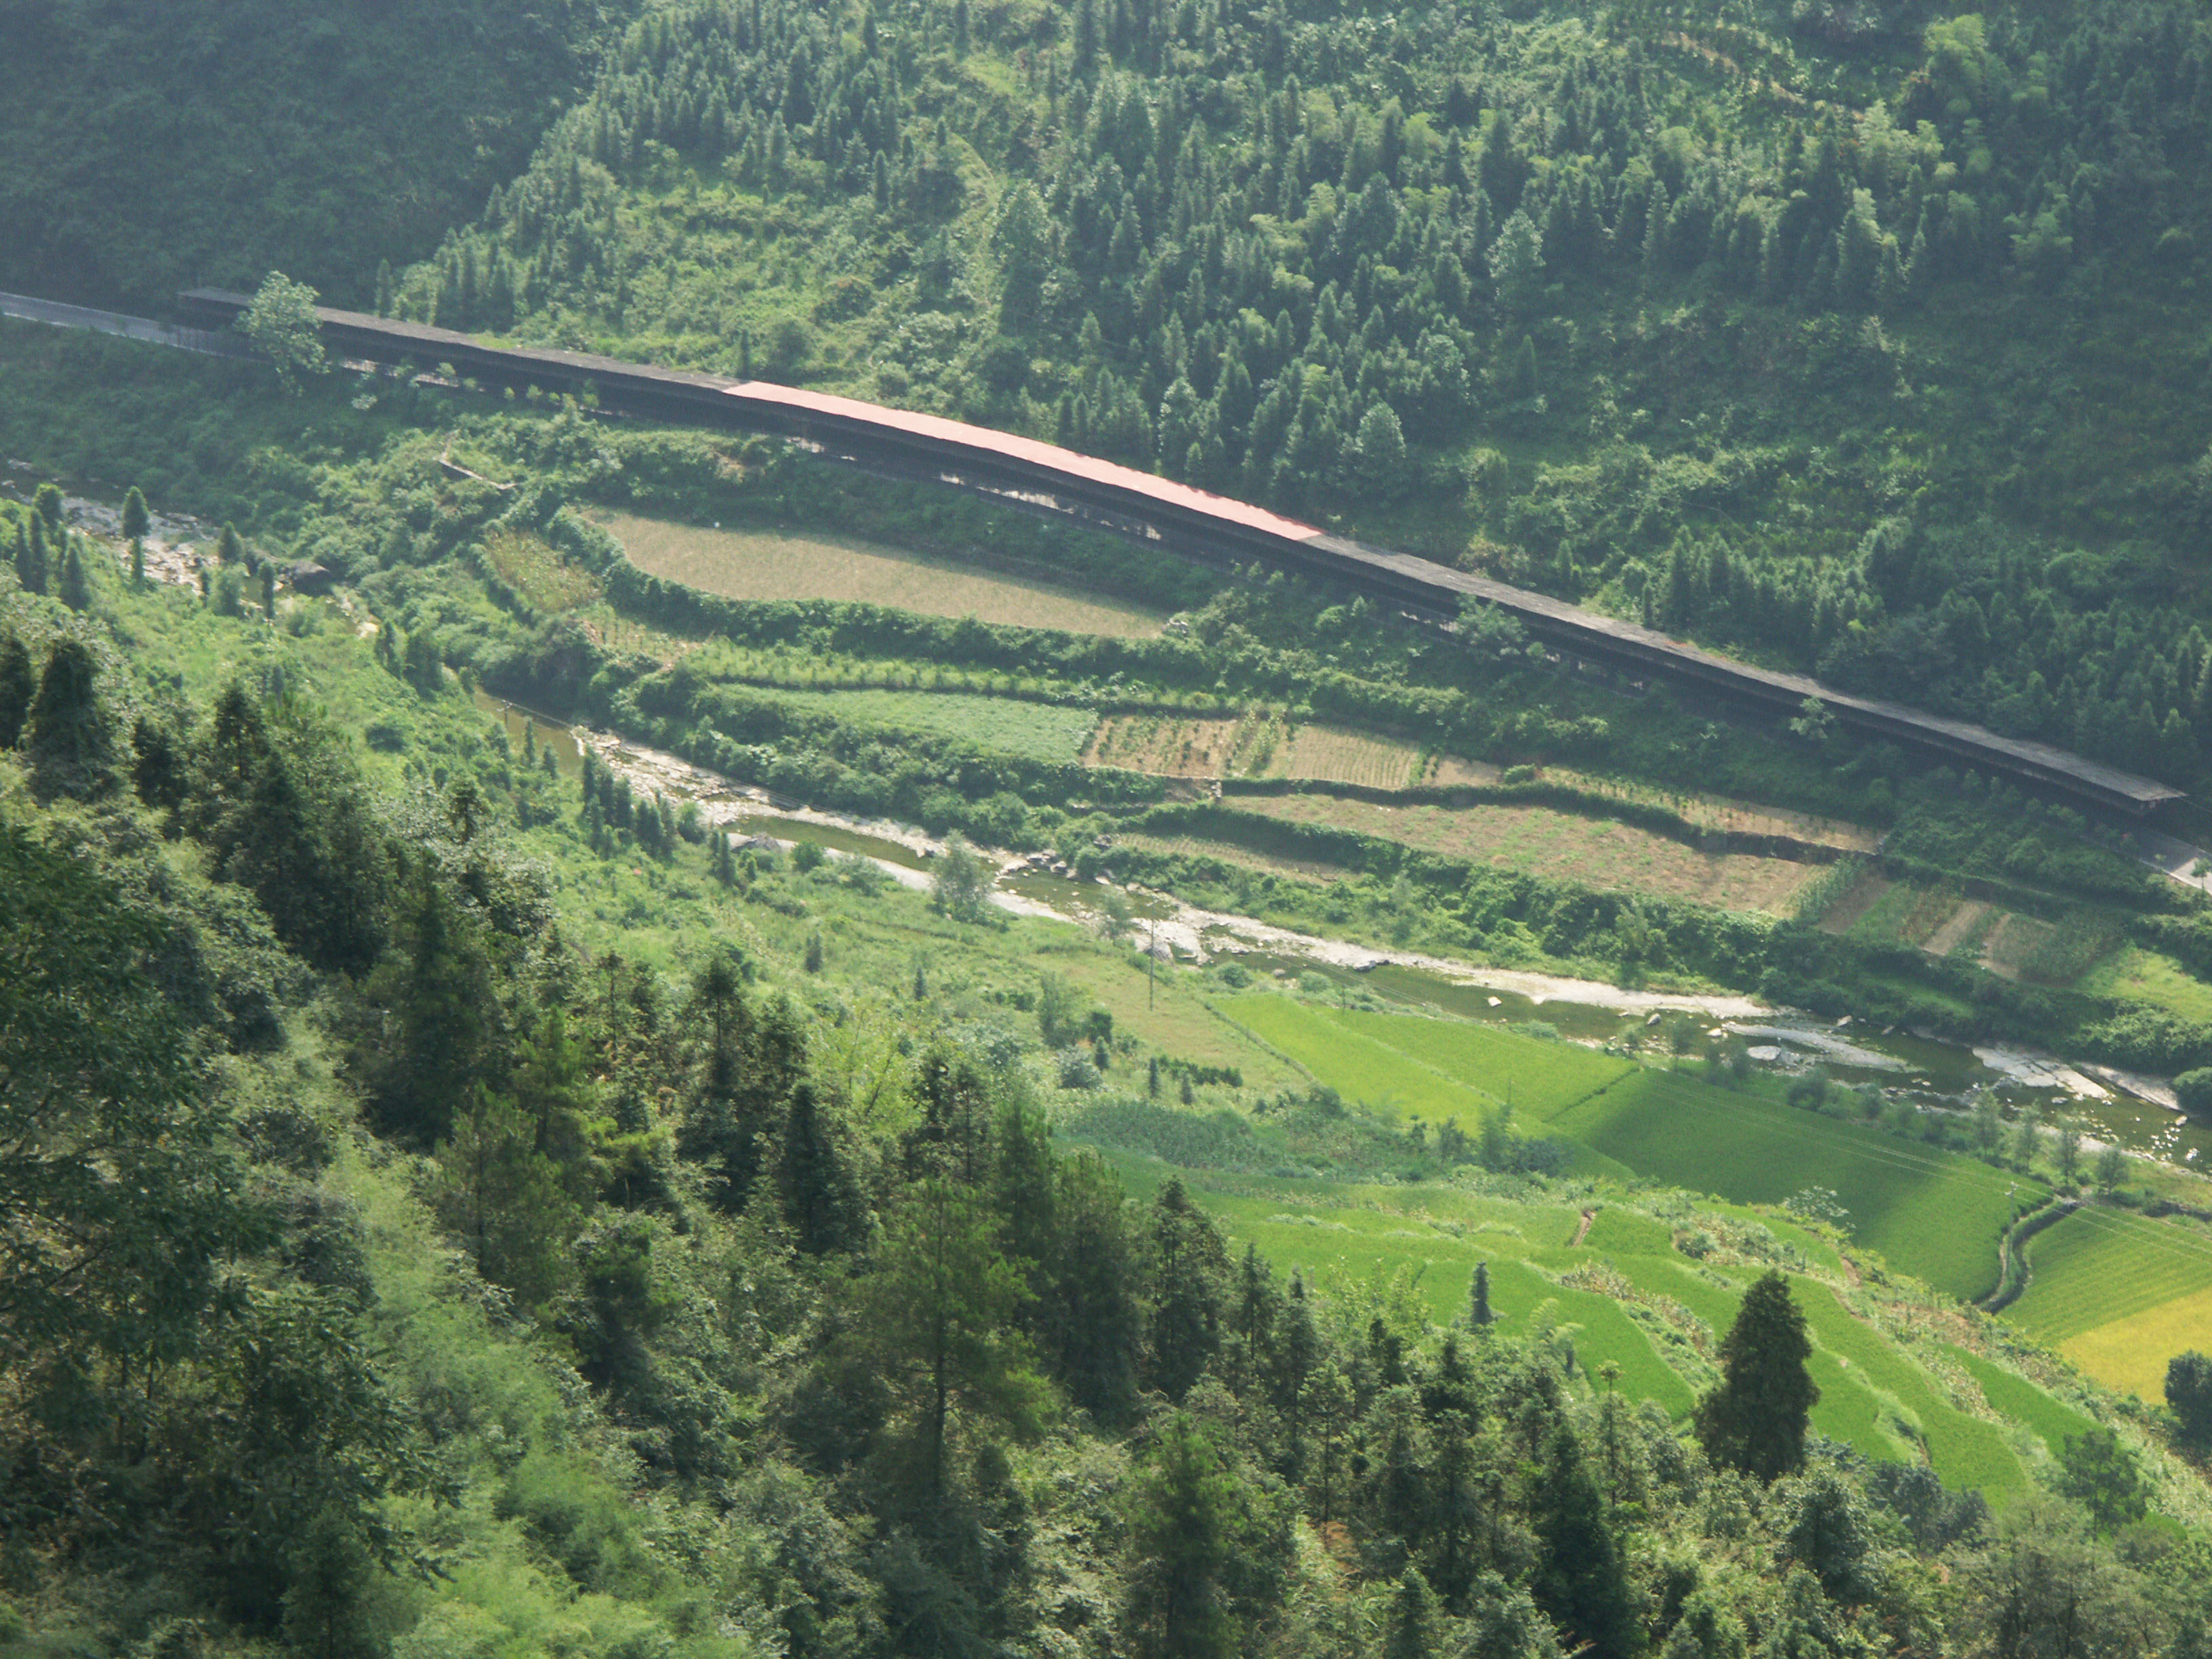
x=1933, y=1214
x=1540, y=1079
x=2119, y=1295
x=1033, y=730
x=2097, y=1266
x=1383, y=1079
x=1440, y=1070
x=2051, y=1420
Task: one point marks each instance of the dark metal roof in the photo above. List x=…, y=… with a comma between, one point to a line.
x=959, y=452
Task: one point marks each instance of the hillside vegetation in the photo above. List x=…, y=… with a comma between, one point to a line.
x=1858, y=338
x=541, y=1227
x=152, y=148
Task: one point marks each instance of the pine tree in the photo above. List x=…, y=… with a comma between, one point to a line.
x=1478, y=1304
x=67, y=740
x=814, y=952
x=227, y=548
x=137, y=521
x=31, y=555
x=18, y=685
x=820, y=1199
x=1581, y=1580
x=1755, y=1420
x=1189, y=1265
x=1182, y=1522
x=942, y=1309
x=76, y=589
x=269, y=590
x=48, y=504
x=1417, y=1626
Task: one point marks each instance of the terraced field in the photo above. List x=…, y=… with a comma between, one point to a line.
x=2007, y=1392
x=2119, y=1295
x=792, y=565
x=1933, y=1214
x=1594, y=851
x=1260, y=744
x=1628, y=1297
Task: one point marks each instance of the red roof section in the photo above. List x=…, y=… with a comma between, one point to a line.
x=1090, y=469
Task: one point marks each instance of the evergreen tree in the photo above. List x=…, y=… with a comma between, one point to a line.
x=941, y=1311
x=68, y=738
x=1755, y=1420
x=821, y=1201
x=76, y=589
x=137, y=522
x=1477, y=1303
x=31, y=555
x=1581, y=1581
x=1184, y=1524
x=228, y=549
x=1188, y=1264
x=48, y=504
x=1417, y=1621
x=814, y=951
x=18, y=685
x=2189, y=1393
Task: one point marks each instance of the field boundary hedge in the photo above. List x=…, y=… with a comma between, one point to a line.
x=2014, y=1271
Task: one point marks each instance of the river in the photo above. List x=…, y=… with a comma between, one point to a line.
x=2108, y=1107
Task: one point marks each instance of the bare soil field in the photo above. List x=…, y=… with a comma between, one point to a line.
x=1863, y=895
x=1953, y=931
x=1536, y=839
x=1260, y=746
x=774, y=565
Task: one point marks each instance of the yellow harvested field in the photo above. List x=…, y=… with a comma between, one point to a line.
x=1594, y=851
x=776, y=565
x=1261, y=745
x=2130, y=1354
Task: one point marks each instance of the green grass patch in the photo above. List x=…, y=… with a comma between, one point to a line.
x=1932, y=1213
x=1630, y=1233
x=2135, y=974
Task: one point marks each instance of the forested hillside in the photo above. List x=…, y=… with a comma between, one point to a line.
x=454, y=1207
x=155, y=147
x=1858, y=338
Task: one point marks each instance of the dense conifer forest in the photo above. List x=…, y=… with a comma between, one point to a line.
x=470, y=1191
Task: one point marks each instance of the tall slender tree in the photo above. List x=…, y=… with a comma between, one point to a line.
x=1755, y=1420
